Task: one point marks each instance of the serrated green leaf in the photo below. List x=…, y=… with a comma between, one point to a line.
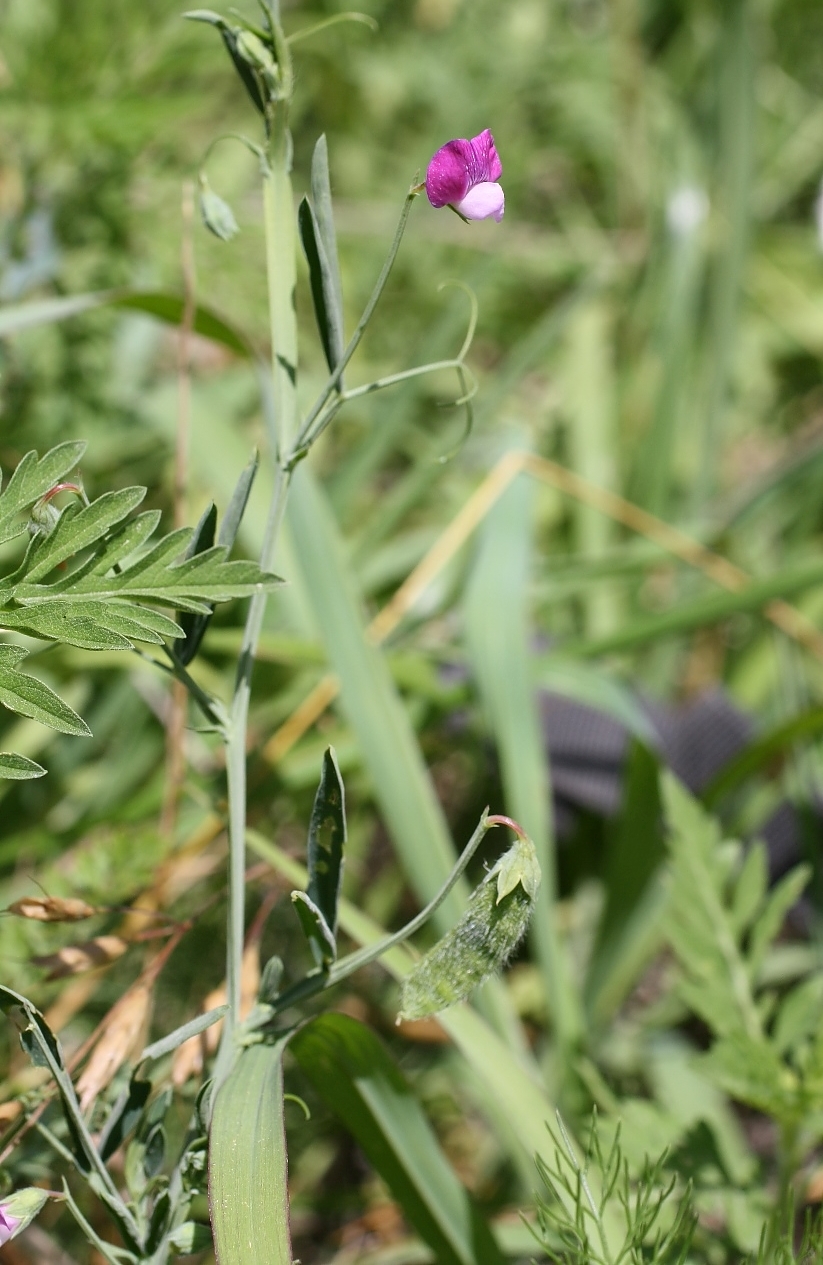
x=750, y=888
x=785, y=894
x=77, y=529
x=354, y=1074
x=699, y=927
x=32, y=478
x=91, y=625
x=68, y=622
x=799, y=1014
x=190, y=584
x=126, y=541
x=750, y=1071
x=248, y=1185
x=18, y=767
x=29, y=697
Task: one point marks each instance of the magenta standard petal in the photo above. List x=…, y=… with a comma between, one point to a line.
x=482, y=202
x=447, y=175
x=8, y=1226
x=485, y=162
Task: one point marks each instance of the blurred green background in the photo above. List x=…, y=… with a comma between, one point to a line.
x=651, y=317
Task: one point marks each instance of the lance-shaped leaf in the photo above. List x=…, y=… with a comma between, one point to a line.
x=162, y=304
x=32, y=478
x=29, y=697
x=317, y=908
x=248, y=1182
x=18, y=767
x=358, y=1080
x=194, y=626
x=124, y=1116
x=328, y=315
x=315, y=928
x=316, y=222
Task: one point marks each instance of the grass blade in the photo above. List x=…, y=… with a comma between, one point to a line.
x=355, y=1075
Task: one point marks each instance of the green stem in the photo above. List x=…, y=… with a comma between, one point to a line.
x=333, y=382
x=320, y=980
x=281, y=270
x=380, y=384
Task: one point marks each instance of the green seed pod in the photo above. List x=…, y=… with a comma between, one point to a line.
x=484, y=939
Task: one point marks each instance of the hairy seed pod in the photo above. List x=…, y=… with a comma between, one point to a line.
x=494, y=923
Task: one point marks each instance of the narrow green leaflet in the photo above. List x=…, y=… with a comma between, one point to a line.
x=18, y=767
x=29, y=697
x=32, y=478
x=324, y=221
x=320, y=247
x=248, y=1183
x=168, y=1044
x=315, y=928
x=327, y=839
x=359, y=1081
x=195, y=626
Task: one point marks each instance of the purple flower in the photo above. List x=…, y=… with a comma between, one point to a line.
x=8, y=1226
x=19, y=1210
x=464, y=174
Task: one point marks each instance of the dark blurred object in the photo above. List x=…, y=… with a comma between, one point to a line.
x=587, y=749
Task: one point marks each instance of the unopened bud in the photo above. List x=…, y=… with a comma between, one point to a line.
x=18, y=1211
x=218, y=216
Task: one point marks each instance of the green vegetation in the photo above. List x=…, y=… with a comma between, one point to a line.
x=576, y=452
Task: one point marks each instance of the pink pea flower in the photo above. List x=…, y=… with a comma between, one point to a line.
x=19, y=1210
x=8, y=1226
x=464, y=174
